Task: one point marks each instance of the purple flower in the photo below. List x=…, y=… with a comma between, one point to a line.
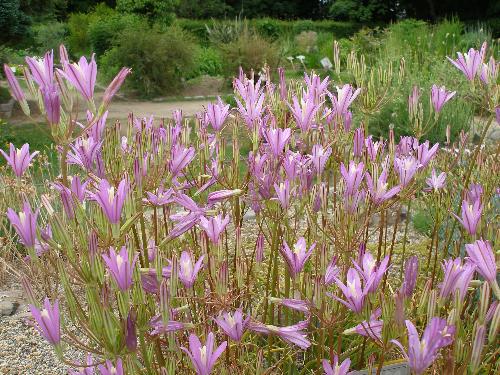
x=160, y=327
x=253, y=98
x=111, y=203
x=378, y=191
x=24, y=223
x=332, y=271
x=42, y=70
x=319, y=157
x=233, y=324
x=292, y=303
x=48, y=321
x=334, y=368
x=87, y=370
x=296, y=259
x=435, y=182
x=115, y=85
x=421, y=353
x=471, y=215
x=187, y=272
x=439, y=96
x=345, y=97
x=131, y=332
x=481, y=254
x=259, y=248
x=470, y=62
x=81, y=76
x=110, y=369
x=424, y=154
x=292, y=334
x=277, y=139
x=372, y=148
x=371, y=329
x=456, y=276
x=370, y=271
x=353, y=292
x=489, y=72
x=406, y=167
x=181, y=157
x=352, y=177
x=358, y=142
x=85, y=152
x=214, y=226
x=120, y=267
x=149, y=280
x=15, y=89
x=19, y=159
x=474, y=193
x=220, y=195
x=161, y=198
x=304, y=112
x=411, y=273
x=204, y=357
x=51, y=103
x=283, y=194
x=217, y=114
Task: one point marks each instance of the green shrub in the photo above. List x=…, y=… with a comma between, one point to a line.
x=250, y=51
x=49, y=35
x=207, y=61
x=159, y=60
x=104, y=32
x=78, y=40
x=422, y=221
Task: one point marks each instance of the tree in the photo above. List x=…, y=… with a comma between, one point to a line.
x=161, y=11
x=13, y=21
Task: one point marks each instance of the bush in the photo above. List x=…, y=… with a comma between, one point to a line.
x=250, y=51
x=207, y=61
x=306, y=41
x=13, y=21
x=78, y=39
x=49, y=36
x=159, y=60
x=104, y=32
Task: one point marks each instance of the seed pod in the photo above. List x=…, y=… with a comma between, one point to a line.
x=431, y=305
x=484, y=302
x=477, y=348
x=494, y=326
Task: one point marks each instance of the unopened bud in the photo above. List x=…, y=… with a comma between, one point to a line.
x=495, y=325
x=484, y=302
x=477, y=348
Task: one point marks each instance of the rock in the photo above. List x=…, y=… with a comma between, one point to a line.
x=8, y=308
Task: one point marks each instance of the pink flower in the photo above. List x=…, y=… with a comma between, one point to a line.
x=217, y=114
x=233, y=324
x=120, y=267
x=111, y=202
x=334, y=368
x=48, y=321
x=214, y=226
x=42, y=70
x=292, y=334
x=471, y=215
x=110, y=369
x=439, y=96
x=81, y=76
x=24, y=223
x=19, y=159
x=345, y=97
x=204, y=357
x=115, y=85
x=469, y=63
x=297, y=258
x=187, y=272
x=435, y=182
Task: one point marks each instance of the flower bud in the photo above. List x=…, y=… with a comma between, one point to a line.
x=477, y=348
x=484, y=302
x=494, y=326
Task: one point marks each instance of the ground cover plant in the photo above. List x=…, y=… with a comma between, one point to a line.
x=163, y=246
